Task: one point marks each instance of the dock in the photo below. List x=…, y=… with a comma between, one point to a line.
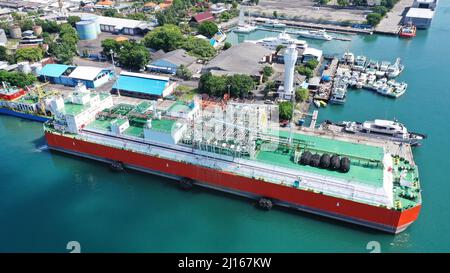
x=315, y=114
x=391, y=23
x=295, y=33
x=330, y=28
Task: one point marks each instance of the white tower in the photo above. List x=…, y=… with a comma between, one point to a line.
x=290, y=59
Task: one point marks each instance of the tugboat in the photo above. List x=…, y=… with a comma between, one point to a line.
x=407, y=31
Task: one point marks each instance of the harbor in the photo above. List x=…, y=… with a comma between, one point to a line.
x=91, y=197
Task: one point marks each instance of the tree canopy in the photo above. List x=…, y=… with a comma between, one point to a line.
x=301, y=94
x=285, y=110
x=17, y=78
x=130, y=55
x=208, y=29
x=167, y=38
x=239, y=85
x=30, y=54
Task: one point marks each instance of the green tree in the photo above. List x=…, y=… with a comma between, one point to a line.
x=279, y=47
x=72, y=20
x=373, y=18
x=208, y=29
x=275, y=14
x=133, y=55
x=212, y=85
x=108, y=45
x=380, y=10
x=240, y=85
x=301, y=94
x=270, y=86
x=167, y=38
x=110, y=13
x=306, y=71
x=198, y=47
x=285, y=110
x=3, y=53
x=30, y=54
x=227, y=45
x=267, y=71
x=184, y=73
x=343, y=3
x=17, y=78
x=312, y=64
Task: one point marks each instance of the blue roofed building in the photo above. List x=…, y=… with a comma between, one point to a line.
x=169, y=62
x=70, y=75
x=144, y=86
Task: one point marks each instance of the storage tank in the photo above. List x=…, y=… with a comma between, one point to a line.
x=93, y=18
x=24, y=67
x=86, y=30
x=37, y=30
x=15, y=32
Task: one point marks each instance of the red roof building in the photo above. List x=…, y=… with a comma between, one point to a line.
x=203, y=16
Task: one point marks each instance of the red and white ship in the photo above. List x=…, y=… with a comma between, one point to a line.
x=236, y=148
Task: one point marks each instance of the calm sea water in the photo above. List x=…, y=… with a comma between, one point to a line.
x=48, y=199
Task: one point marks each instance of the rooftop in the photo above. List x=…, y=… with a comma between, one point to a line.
x=420, y=13
x=53, y=70
x=86, y=72
x=141, y=83
x=177, y=57
x=244, y=58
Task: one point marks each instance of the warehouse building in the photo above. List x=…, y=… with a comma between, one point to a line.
x=69, y=75
x=169, y=62
x=143, y=86
x=420, y=17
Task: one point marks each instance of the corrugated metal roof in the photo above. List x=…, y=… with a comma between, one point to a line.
x=144, y=85
x=86, y=72
x=54, y=70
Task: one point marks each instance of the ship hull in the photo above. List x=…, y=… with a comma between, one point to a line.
x=9, y=112
x=380, y=218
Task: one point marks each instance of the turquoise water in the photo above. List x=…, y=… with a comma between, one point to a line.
x=48, y=199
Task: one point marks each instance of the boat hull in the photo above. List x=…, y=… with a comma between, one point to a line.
x=381, y=218
x=10, y=112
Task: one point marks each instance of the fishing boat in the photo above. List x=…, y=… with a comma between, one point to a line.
x=360, y=63
x=348, y=58
x=382, y=69
x=395, y=69
x=315, y=34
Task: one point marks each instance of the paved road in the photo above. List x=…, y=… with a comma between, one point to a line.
x=391, y=22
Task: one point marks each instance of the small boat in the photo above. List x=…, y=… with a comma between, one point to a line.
x=380, y=129
x=273, y=23
x=360, y=63
x=244, y=27
x=395, y=69
x=315, y=34
x=317, y=103
x=408, y=30
x=339, y=93
x=348, y=58
x=322, y=103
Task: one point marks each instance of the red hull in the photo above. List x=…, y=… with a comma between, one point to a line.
x=363, y=214
x=13, y=96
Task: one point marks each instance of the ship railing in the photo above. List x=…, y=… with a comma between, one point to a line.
x=274, y=174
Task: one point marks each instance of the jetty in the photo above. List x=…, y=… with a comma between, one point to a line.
x=296, y=33
x=391, y=23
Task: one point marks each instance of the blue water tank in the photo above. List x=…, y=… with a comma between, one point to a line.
x=87, y=30
x=93, y=18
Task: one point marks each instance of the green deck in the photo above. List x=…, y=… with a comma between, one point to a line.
x=134, y=131
x=74, y=109
x=163, y=125
x=369, y=175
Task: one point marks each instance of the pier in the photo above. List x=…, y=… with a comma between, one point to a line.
x=296, y=33
x=315, y=114
x=330, y=28
x=391, y=23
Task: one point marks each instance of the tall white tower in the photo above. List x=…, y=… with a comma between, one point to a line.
x=290, y=59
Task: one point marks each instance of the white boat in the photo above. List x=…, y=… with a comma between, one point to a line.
x=315, y=34
x=273, y=23
x=348, y=58
x=399, y=88
x=317, y=103
x=283, y=39
x=395, y=69
x=360, y=63
x=381, y=129
x=244, y=27
x=362, y=80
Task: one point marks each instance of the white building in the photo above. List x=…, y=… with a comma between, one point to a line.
x=419, y=17
x=425, y=4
